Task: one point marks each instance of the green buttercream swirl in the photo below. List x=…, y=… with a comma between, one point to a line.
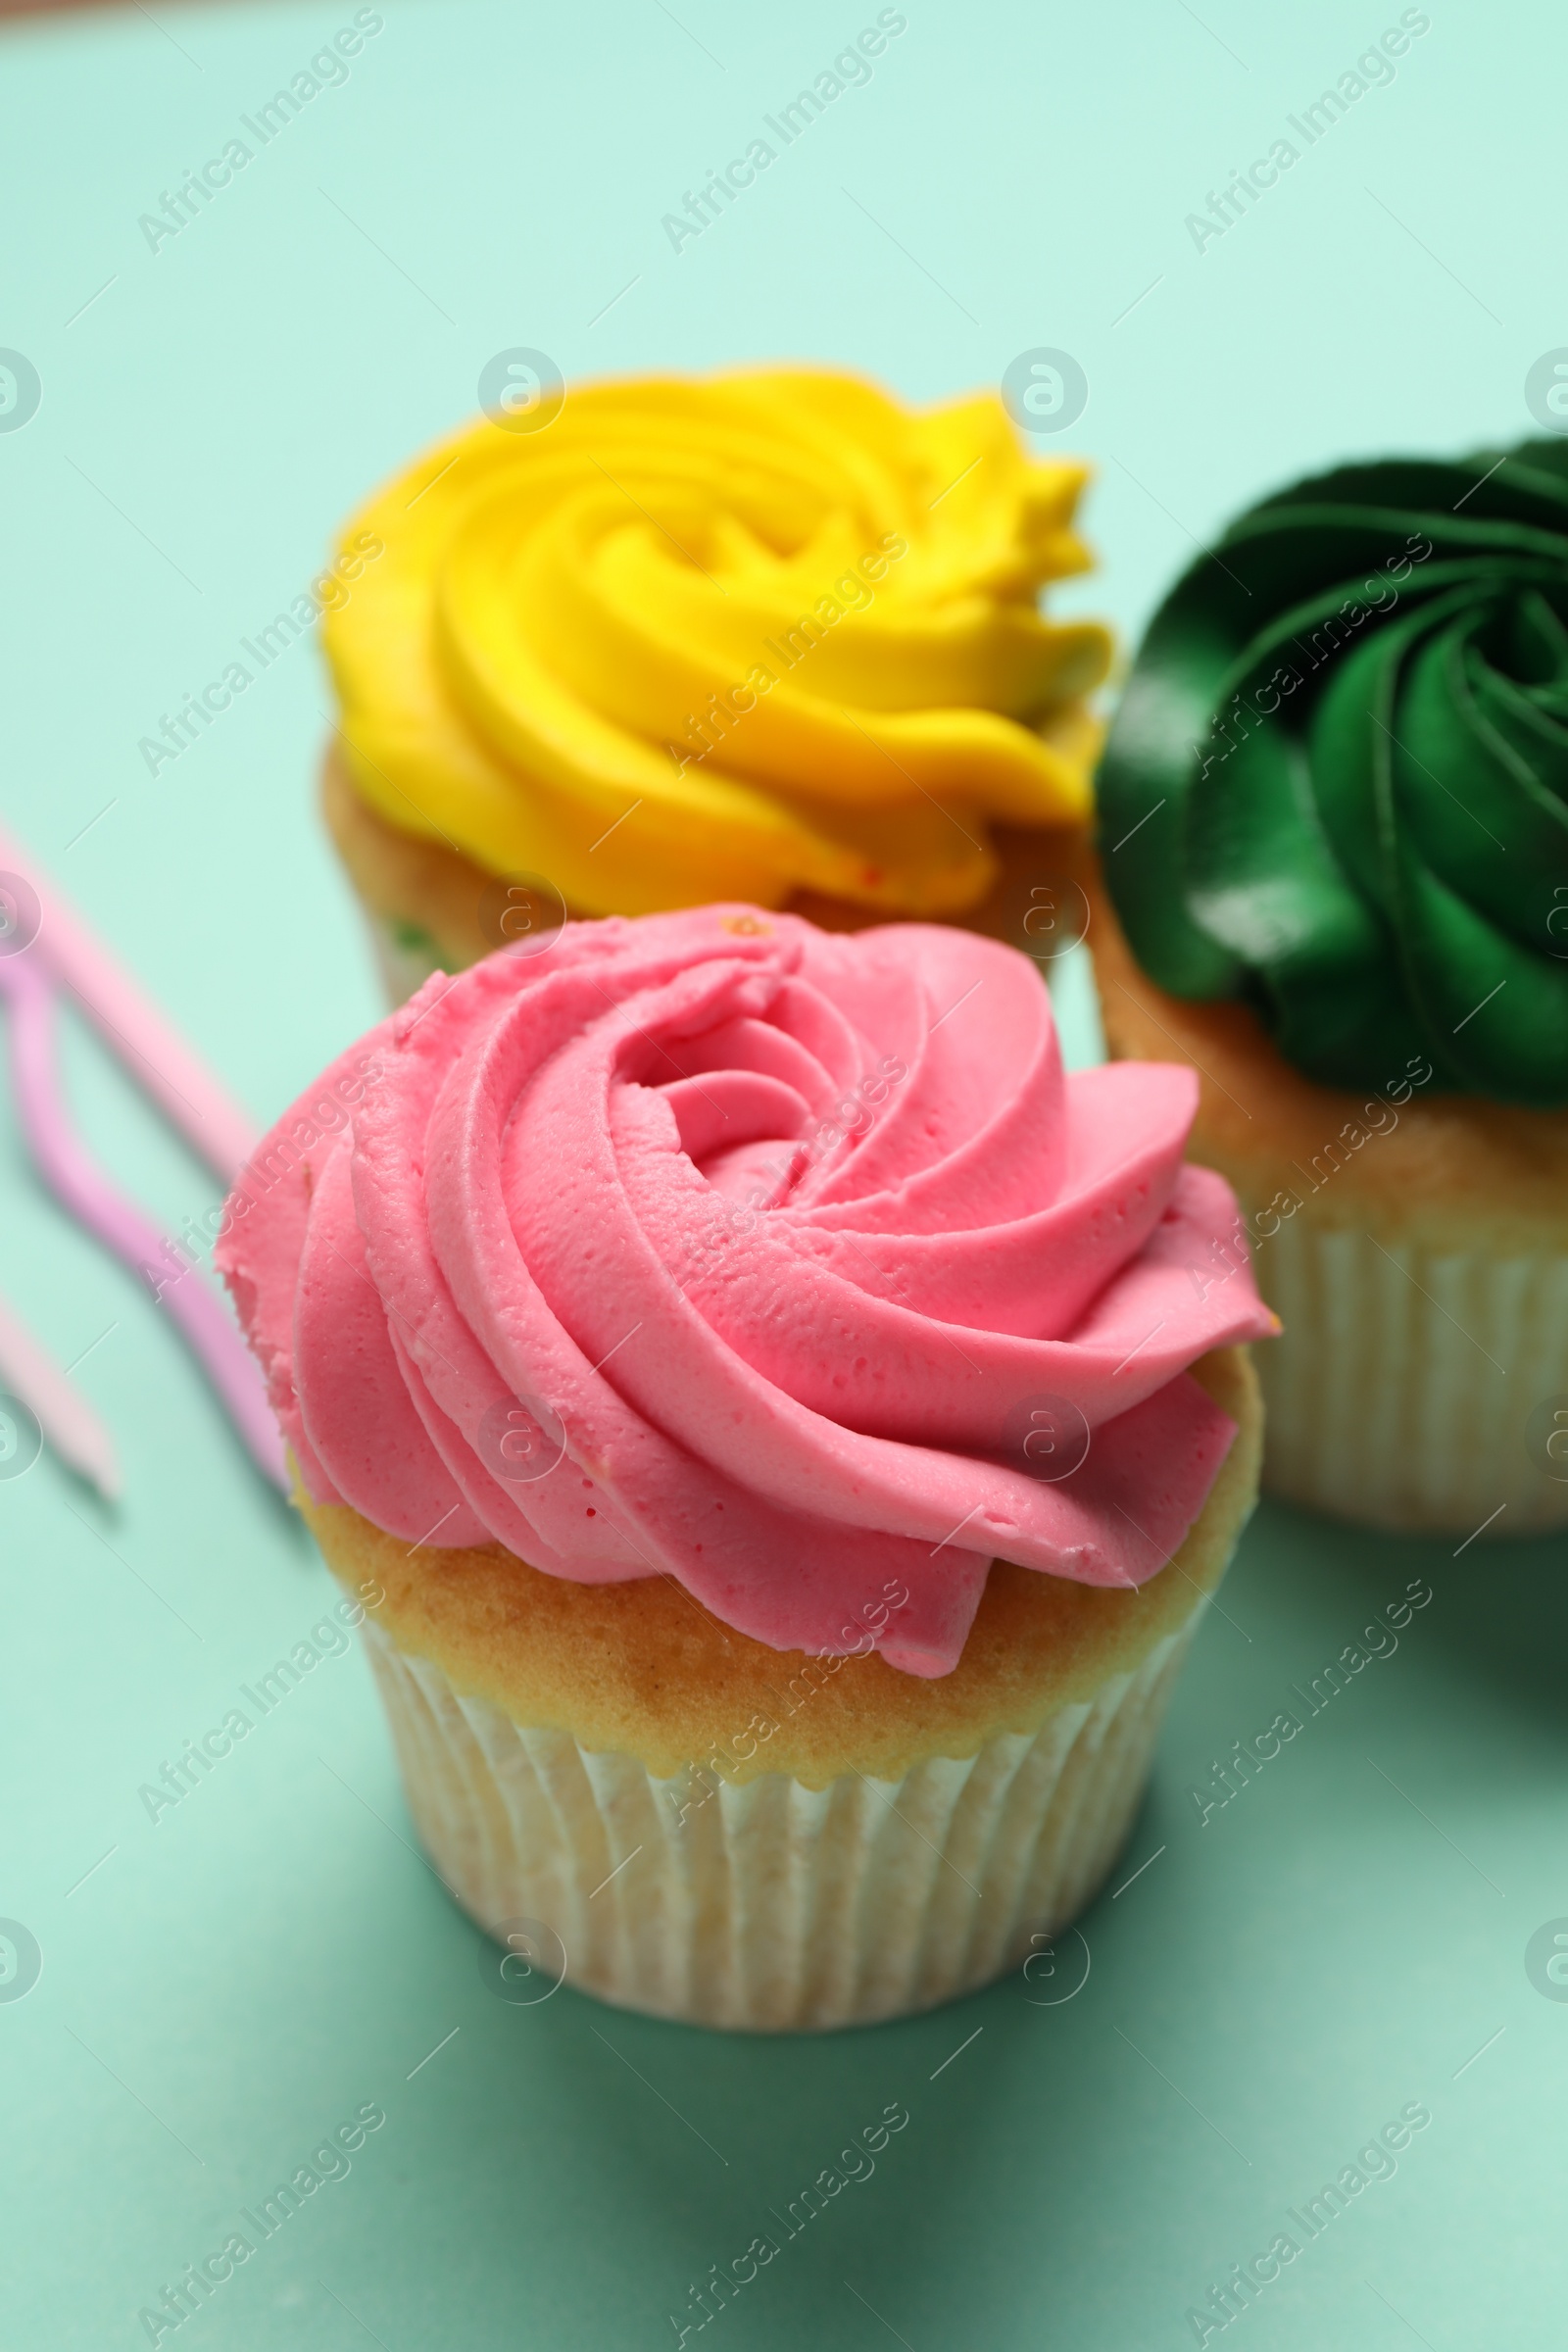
x=1337, y=786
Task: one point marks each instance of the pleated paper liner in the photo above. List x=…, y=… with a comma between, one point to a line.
x=771, y=1906
x=1413, y=1388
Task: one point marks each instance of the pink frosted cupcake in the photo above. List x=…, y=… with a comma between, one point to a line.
x=795, y=1430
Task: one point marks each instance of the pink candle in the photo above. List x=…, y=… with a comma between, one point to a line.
x=152, y=1048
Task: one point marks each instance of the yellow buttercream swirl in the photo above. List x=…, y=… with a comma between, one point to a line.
x=724, y=639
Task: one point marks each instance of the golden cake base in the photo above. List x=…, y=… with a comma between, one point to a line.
x=432, y=910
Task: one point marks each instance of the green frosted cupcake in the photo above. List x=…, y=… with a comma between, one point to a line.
x=1334, y=844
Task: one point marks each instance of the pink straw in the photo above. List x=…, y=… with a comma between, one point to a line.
x=121, y=1226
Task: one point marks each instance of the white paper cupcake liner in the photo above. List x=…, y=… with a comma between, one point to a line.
x=1412, y=1389
x=773, y=1906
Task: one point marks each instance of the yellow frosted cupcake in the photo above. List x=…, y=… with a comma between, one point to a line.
x=770, y=636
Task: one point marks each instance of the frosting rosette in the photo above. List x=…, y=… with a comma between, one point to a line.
x=790, y=1266
x=729, y=638
x=1338, y=783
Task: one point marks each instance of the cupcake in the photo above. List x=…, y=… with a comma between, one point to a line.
x=766, y=636
x=773, y=1411
x=1334, y=878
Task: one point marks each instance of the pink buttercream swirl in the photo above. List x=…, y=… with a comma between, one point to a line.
x=788, y=1265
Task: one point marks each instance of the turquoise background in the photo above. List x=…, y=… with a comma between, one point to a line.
x=227, y=1986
